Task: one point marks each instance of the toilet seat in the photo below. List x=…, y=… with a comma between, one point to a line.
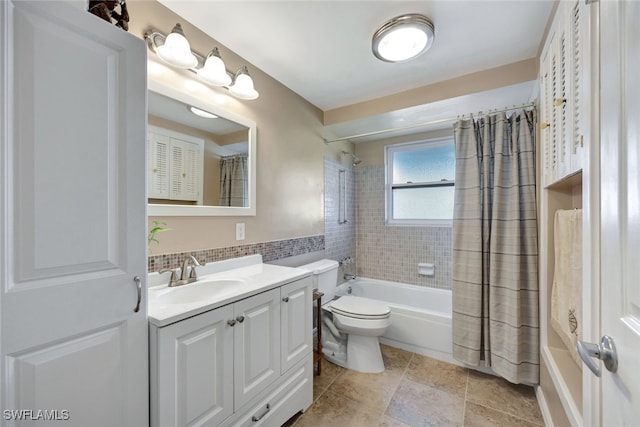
x=360, y=308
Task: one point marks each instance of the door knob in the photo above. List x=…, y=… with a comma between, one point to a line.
x=605, y=351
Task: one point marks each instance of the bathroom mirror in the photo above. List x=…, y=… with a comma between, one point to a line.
x=201, y=160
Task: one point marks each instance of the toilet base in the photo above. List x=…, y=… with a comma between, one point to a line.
x=363, y=354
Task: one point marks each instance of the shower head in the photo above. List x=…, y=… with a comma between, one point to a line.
x=354, y=159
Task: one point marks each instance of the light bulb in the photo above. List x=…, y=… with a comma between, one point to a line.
x=214, y=71
x=176, y=50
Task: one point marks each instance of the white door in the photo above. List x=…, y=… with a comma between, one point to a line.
x=256, y=345
x=72, y=218
x=620, y=208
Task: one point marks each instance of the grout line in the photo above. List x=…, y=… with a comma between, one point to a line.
x=507, y=413
x=406, y=368
x=464, y=403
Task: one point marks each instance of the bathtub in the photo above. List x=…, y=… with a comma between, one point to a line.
x=420, y=316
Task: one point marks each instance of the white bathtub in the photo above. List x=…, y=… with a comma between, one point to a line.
x=420, y=316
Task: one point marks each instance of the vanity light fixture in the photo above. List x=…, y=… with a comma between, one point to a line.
x=214, y=71
x=242, y=86
x=403, y=38
x=175, y=50
x=202, y=113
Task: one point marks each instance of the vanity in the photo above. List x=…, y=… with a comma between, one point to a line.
x=233, y=348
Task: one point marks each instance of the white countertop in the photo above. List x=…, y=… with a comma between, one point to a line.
x=221, y=283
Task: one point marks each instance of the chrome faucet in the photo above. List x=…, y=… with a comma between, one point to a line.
x=192, y=275
x=349, y=276
x=187, y=274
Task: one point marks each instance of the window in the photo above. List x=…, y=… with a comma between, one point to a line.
x=419, y=183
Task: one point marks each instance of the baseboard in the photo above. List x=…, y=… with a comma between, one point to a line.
x=544, y=408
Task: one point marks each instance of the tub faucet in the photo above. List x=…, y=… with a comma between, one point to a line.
x=349, y=276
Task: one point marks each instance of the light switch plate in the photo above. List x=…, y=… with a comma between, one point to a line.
x=240, y=231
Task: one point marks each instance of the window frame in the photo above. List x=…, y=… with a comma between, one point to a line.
x=389, y=150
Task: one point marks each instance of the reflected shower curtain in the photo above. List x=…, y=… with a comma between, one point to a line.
x=495, y=253
x=233, y=181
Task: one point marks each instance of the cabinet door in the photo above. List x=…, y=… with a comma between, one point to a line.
x=256, y=345
x=158, y=174
x=186, y=170
x=547, y=132
x=194, y=371
x=296, y=323
x=72, y=216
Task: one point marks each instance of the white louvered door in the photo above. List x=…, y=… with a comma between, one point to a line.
x=158, y=164
x=563, y=99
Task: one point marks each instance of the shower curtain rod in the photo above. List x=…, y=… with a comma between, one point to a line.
x=432, y=122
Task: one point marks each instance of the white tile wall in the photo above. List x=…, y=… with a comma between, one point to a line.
x=340, y=239
x=393, y=252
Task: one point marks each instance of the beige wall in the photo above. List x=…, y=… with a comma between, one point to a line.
x=290, y=149
x=494, y=78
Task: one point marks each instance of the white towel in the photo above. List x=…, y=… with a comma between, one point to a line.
x=566, y=293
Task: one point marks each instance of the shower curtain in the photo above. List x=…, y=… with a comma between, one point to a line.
x=233, y=180
x=495, y=254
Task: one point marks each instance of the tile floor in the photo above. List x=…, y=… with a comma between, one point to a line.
x=417, y=391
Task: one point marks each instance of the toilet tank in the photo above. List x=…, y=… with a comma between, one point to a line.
x=325, y=277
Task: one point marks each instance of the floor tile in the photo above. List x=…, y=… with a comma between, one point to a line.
x=329, y=372
x=416, y=404
x=497, y=393
x=387, y=421
x=332, y=410
x=441, y=375
x=395, y=358
x=480, y=416
x=371, y=390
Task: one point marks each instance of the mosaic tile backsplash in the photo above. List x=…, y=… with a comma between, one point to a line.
x=270, y=251
x=393, y=252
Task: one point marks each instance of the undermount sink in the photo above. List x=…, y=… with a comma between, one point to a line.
x=195, y=292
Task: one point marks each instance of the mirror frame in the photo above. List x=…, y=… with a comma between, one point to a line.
x=191, y=210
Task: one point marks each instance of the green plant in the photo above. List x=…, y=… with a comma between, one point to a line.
x=158, y=227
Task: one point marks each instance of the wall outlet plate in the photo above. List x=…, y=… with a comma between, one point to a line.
x=240, y=231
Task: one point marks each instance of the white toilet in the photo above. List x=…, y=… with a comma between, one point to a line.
x=352, y=324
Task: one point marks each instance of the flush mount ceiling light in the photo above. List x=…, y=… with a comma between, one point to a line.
x=202, y=113
x=175, y=50
x=403, y=38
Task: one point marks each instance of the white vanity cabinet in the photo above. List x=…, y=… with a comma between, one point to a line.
x=245, y=363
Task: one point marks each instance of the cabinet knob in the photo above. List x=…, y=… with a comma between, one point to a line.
x=285, y=299
x=240, y=319
x=559, y=101
x=544, y=125
x=231, y=322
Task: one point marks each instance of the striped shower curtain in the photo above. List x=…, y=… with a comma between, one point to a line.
x=233, y=180
x=495, y=253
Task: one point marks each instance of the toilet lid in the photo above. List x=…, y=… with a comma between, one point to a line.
x=360, y=307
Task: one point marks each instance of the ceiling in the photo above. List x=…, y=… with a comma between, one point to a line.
x=322, y=49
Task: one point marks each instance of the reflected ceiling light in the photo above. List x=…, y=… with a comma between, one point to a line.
x=242, y=86
x=202, y=113
x=176, y=50
x=403, y=38
x=214, y=71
